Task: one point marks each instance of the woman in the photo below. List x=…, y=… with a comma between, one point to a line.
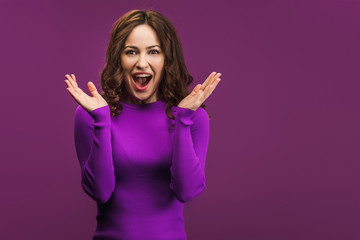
x=142, y=143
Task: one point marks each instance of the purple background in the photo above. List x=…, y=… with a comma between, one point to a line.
x=283, y=159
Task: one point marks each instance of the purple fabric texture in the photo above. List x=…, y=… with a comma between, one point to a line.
x=139, y=170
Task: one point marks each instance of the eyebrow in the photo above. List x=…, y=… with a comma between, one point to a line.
x=146, y=48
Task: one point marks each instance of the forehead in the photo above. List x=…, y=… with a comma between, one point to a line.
x=142, y=35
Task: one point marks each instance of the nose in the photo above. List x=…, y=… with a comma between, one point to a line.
x=142, y=62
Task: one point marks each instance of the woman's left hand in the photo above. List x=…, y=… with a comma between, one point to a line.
x=200, y=92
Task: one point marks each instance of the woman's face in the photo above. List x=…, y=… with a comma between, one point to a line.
x=142, y=61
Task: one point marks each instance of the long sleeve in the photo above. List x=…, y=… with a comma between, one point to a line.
x=92, y=134
x=191, y=138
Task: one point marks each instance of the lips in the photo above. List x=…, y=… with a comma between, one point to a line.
x=141, y=80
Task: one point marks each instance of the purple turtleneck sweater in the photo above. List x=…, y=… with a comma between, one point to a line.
x=138, y=170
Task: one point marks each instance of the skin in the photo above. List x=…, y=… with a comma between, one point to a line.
x=201, y=92
x=146, y=56
x=142, y=53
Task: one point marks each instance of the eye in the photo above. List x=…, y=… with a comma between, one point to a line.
x=154, y=51
x=130, y=52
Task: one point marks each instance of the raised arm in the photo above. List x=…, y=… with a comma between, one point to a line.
x=92, y=133
x=191, y=138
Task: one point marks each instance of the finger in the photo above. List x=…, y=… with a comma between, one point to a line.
x=197, y=88
x=68, y=83
x=206, y=82
x=92, y=89
x=212, y=81
x=73, y=76
x=213, y=76
x=73, y=86
x=73, y=94
x=210, y=89
x=195, y=91
x=71, y=81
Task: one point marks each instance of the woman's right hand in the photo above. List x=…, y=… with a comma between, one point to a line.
x=87, y=102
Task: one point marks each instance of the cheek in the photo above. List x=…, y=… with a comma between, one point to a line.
x=159, y=64
x=126, y=64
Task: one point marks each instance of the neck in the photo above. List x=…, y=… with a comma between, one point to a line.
x=129, y=99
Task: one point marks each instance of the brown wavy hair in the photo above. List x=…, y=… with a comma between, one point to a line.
x=175, y=80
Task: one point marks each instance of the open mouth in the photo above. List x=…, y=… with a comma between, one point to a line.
x=141, y=81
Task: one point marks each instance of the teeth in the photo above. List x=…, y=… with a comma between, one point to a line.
x=142, y=75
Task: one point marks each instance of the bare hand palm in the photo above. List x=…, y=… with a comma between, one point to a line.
x=87, y=102
x=200, y=92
